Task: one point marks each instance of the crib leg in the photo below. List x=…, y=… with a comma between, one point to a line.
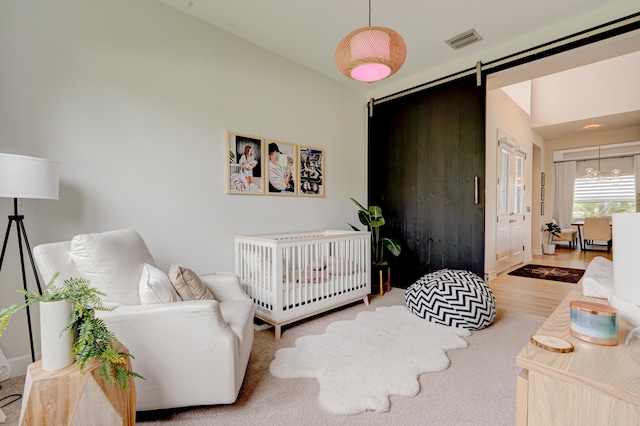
x=278, y=331
x=366, y=300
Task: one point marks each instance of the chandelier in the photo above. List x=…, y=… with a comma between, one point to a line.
x=370, y=53
x=591, y=173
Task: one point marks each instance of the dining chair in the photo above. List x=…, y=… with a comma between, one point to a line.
x=597, y=229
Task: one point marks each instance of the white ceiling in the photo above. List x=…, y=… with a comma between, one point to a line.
x=308, y=32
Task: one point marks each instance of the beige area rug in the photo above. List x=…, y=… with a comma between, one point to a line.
x=478, y=388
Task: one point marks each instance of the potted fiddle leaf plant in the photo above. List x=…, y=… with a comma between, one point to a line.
x=372, y=218
x=551, y=229
x=89, y=336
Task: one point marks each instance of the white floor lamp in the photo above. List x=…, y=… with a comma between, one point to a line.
x=26, y=177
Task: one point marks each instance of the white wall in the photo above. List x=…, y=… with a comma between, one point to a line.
x=596, y=90
x=505, y=115
x=133, y=99
x=595, y=138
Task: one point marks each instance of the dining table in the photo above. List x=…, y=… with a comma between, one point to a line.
x=579, y=224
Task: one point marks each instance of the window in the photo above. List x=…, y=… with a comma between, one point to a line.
x=594, y=197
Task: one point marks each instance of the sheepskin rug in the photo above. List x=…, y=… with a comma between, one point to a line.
x=358, y=364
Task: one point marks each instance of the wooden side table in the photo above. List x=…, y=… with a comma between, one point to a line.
x=68, y=397
x=593, y=385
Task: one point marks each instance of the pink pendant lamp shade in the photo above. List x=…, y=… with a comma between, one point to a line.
x=370, y=53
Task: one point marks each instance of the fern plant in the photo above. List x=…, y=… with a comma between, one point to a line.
x=91, y=337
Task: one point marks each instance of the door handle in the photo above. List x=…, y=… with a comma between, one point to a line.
x=476, y=189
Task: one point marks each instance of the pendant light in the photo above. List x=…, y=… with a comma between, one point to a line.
x=591, y=173
x=370, y=53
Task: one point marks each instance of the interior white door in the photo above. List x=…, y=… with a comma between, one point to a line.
x=510, y=220
x=518, y=217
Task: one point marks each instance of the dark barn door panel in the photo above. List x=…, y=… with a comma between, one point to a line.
x=426, y=153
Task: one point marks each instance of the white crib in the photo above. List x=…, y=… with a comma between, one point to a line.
x=292, y=276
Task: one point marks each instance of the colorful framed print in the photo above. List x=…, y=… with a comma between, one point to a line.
x=311, y=172
x=281, y=168
x=245, y=170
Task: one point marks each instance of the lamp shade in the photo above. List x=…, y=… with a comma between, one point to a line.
x=28, y=177
x=370, y=53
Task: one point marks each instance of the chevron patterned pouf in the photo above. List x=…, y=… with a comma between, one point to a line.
x=455, y=298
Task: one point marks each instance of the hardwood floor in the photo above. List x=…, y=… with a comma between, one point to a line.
x=540, y=297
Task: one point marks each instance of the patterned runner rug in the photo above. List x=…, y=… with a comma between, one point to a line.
x=553, y=273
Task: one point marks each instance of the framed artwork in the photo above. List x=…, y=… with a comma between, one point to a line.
x=281, y=168
x=542, y=179
x=310, y=172
x=542, y=194
x=245, y=170
x=542, y=208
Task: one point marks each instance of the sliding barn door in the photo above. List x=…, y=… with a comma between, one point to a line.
x=426, y=171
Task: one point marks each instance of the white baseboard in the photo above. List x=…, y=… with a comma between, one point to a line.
x=19, y=364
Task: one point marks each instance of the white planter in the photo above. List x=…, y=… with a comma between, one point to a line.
x=55, y=347
x=548, y=248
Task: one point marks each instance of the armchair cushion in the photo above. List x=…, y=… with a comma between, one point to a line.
x=188, y=285
x=112, y=261
x=155, y=287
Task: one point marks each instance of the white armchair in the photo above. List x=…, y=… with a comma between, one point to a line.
x=190, y=352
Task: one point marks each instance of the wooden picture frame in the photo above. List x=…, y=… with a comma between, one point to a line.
x=281, y=168
x=245, y=168
x=310, y=172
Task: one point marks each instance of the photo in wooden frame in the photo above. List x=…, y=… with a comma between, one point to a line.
x=310, y=172
x=245, y=170
x=281, y=168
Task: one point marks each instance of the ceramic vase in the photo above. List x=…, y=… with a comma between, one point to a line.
x=55, y=345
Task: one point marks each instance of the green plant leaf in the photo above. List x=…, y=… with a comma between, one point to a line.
x=375, y=212
x=392, y=245
x=358, y=205
x=364, y=217
x=5, y=315
x=376, y=223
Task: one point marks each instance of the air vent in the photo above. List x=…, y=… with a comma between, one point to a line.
x=464, y=39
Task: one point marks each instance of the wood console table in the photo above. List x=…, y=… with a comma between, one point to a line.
x=593, y=385
x=68, y=397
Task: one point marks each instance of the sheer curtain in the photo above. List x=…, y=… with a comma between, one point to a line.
x=564, y=179
x=636, y=172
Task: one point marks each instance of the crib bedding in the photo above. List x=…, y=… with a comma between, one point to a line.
x=290, y=276
x=305, y=287
x=299, y=295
